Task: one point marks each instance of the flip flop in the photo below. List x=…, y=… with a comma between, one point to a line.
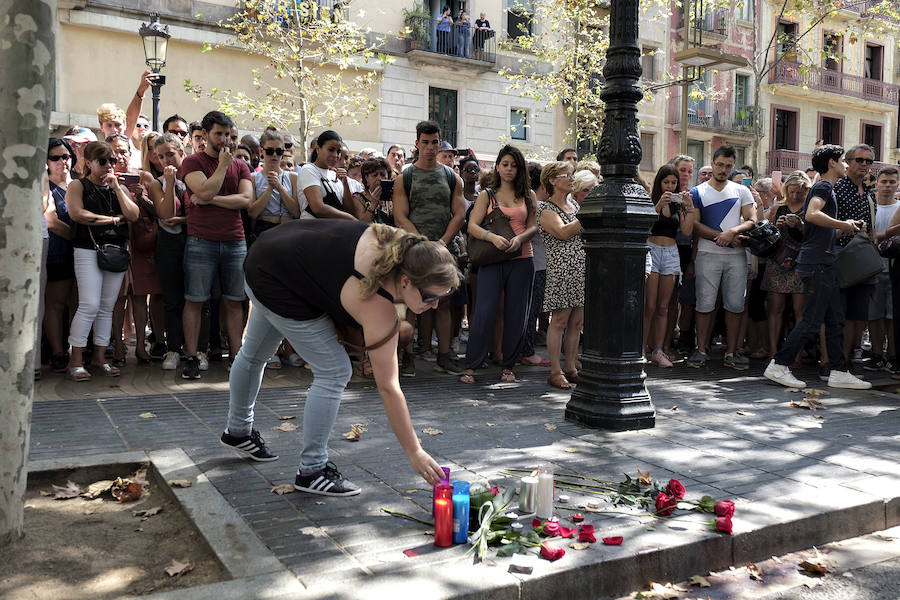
x=467, y=378
x=507, y=376
x=540, y=362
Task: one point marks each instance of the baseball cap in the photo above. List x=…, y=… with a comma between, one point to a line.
x=80, y=135
x=445, y=147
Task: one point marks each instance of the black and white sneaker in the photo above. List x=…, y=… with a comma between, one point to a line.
x=251, y=446
x=327, y=482
x=191, y=368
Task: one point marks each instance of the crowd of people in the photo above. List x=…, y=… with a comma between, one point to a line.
x=203, y=245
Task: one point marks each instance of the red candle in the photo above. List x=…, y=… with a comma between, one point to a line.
x=443, y=515
x=578, y=517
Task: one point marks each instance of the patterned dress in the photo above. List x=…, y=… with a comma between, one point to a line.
x=565, y=264
x=777, y=278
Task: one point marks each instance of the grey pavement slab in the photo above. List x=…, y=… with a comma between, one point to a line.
x=799, y=478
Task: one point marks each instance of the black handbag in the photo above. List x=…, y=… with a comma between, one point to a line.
x=890, y=248
x=110, y=257
x=763, y=239
x=483, y=252
x=858, y=261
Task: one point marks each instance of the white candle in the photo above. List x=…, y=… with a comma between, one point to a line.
x=544, y=507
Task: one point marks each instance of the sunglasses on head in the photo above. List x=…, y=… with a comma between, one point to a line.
x=288, y=145
x=58, y=157
x=112, y=160
x=861, y=161
x=273, y=151
x=180, y=134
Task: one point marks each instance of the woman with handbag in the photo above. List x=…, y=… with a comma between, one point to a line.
x=101, y=208
x=781, y=278
x=507, y=206
x=564, y=293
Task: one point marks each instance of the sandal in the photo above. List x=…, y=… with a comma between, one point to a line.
x=78, y=374
x=540, y=361
x=468, y=377
x=571, y=376
x=108, y=370
x=366, y=365
x=558, y=380
x=274, y=362
x=507, y=376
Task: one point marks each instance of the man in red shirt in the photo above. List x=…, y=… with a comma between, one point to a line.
x=218, y=187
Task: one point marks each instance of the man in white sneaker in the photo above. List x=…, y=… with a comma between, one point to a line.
x=816, y=265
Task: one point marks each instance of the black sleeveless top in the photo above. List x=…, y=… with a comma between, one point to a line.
x=100, y=200
x=667, y=226
x=297, y=270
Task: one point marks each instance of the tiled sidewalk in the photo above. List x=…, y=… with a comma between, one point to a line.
x=783, y=465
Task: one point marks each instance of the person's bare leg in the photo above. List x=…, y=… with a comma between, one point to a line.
x=442, y=325
x=704, y=324
x=876, y=336
x=139, y=310
x=776, y=316
x=57, y=298
x=158, y=317
x=732, y=330
x=661, y=315
x=117, y=333
x=191, y=326
x=573, y=335
x=426, y=327
x=558, y=320
x=234, y=324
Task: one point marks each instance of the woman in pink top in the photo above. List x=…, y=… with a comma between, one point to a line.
x=510, y=191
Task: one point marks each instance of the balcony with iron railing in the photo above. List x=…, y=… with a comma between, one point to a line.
x=721, y=115
x=459, y=42
x=836, y=82
x=791, y=160
x=709, y=29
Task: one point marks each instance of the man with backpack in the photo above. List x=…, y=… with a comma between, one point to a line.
x=430, y=202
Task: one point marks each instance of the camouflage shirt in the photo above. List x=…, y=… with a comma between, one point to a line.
x=430, y=201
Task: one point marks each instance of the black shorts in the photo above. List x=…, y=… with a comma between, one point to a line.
x=60, y=271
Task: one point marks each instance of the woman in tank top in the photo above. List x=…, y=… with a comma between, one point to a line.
x=302, y=278
x=274, y=190
x=510, y=192
x=665, y=264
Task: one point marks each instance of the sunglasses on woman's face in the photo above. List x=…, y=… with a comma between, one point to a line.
x=58, y=157
x=107, y=161
x=429, y=298
x=273, y=151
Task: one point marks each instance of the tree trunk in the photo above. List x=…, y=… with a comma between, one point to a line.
x=26, y=51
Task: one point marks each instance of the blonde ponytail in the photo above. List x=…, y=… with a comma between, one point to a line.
x=425, y=263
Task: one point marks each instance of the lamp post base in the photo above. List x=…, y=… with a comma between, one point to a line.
x=611, y=395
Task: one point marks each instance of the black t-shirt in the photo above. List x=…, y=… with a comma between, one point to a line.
x=818, y=242
x=100, y=201
x=297, y=270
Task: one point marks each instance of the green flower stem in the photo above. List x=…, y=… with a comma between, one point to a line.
x=610, y=512
x=396, y=513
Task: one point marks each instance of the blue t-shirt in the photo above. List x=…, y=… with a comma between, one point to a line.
x=818, y=242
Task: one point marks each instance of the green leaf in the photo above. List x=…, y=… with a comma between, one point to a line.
x=509, y=549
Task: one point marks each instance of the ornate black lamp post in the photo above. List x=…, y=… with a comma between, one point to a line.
x=616, y=215
x=155, y=38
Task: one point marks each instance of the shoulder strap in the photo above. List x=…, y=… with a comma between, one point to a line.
x=451, y=178
x=386, y=338
x=407, y=180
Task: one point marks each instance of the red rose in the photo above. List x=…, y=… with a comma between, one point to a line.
x=550, y=553
x=551, y=528
x=495, y=490
x=586, y=534
x=675, y=488
x=535, y=523
x=567, y=532
x=724, y=524
x=613, y=541
x=724, y=508
x=665, y=505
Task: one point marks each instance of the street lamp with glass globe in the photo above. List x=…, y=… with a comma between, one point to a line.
x=155, y=38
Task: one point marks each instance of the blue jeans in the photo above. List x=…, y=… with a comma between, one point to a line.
x=822, y=305
x=316, y=341
x=204, y=259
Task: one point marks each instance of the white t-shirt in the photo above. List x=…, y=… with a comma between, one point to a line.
x=720, y=211
x=884, y=213
x=310, y=175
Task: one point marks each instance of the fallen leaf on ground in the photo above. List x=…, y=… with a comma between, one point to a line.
x=178, y=568
x=284, y=488
x=356, y=431
x=146, y=514
x=645, y=477
x=410, y=490
x=287, y=417
x=432, y=431
x=97, y=488
x=674, y=407
x=125, y=490
x=476, y=403
x=570, y=450
x=140, y=476
x=489, y=424
x=182, y=483
x=579, y=545
x=64, y=492
x=745, y=413
x=147, y=415
x=813, y=568
x=319, y=502
x=699, y=580
x=549, y=426
x=815, y=392
x=846, y=435
x=46, y=493
x=755, y=572
x=287, y=427
x=659, y=591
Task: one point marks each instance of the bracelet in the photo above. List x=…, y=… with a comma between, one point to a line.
x=486, y=233
x=138, y=96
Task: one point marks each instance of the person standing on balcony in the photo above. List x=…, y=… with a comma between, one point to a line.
x=855, y=200
x=482, y=32
x=444, y=22
x=463, y=26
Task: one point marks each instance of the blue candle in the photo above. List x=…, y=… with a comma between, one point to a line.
x=460, y=512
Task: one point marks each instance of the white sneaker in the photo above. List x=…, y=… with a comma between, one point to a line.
x=847, y=380
x=782, y=374
x=204, y=361
x=170, y=361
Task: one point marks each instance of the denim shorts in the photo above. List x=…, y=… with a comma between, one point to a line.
x=204, y=259
x=665, y=259
x=727, y=272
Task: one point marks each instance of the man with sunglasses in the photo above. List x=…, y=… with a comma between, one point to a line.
x=178, y=126
x=855, y=200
